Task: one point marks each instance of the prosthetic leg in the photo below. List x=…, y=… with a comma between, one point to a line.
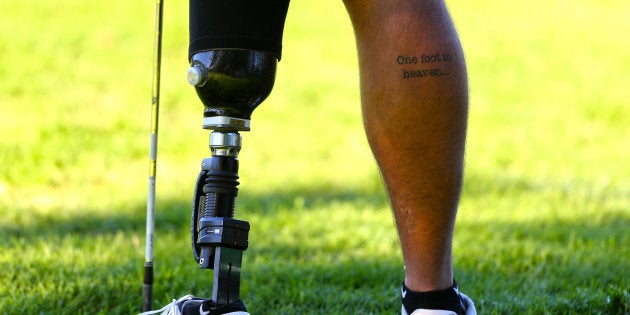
x=234, y=48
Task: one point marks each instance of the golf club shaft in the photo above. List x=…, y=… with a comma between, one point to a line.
x=147, y=287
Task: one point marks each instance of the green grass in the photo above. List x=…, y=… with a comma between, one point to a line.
x=544, y=217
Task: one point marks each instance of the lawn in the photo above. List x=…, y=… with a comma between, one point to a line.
x=544, y=216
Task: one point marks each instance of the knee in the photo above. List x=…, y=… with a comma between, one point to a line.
x=353, y=6
x=377, y=7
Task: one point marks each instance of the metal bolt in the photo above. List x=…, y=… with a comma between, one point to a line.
x=195, y=76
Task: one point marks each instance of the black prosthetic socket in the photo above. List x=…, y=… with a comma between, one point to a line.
x=234, y=82
x=447, y=299
x=234, y=48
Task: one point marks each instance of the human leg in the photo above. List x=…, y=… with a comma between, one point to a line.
x=415, y=104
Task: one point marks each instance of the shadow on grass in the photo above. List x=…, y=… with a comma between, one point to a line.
x=170, y=213
x=577, y=266
x=68, y=280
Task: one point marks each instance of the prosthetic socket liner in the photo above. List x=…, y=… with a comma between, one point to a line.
x=237, y=24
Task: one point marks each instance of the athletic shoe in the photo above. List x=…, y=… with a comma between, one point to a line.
x=190, y=305
x=467, y=307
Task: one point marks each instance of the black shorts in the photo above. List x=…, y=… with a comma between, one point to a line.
x=237, y=24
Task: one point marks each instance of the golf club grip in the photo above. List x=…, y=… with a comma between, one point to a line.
x=147, y=288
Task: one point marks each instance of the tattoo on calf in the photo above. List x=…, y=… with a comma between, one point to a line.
x=423, y=66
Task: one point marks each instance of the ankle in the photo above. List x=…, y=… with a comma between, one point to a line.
x=426, y=286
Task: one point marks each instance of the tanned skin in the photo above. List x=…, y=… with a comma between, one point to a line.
x=414, y=97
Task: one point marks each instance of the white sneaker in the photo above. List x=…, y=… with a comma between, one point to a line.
x=174, y=308
x=190, y=305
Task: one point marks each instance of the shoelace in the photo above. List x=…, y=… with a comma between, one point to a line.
x=170, y=309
